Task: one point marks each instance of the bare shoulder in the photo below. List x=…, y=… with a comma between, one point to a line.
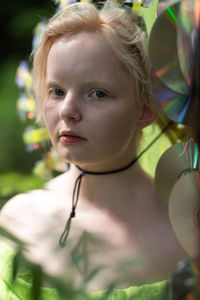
x=19, y=207
x=14, y=207
x=26, y=202
x=42, y=200
x=28, y=214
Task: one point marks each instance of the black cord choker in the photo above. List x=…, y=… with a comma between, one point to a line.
x=75, y=196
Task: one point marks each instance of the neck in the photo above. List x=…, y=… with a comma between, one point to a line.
x=109, y=172
x=110, y=190
x=111, y=187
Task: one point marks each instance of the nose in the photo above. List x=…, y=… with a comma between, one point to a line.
x=69, y=109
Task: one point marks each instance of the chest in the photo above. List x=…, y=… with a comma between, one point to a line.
x=125, y=252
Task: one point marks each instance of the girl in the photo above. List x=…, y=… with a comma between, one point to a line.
x=92, y=84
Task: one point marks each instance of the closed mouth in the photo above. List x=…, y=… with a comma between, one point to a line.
x=70, y=137
x=69, y=133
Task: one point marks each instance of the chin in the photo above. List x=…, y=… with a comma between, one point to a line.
x=87, y=159
x=71, y=157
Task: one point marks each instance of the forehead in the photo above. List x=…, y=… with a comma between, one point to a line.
x=82, y=53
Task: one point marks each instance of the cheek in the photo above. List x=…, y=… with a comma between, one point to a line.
x=118, y=127
x=50, y=117
x=127, y=118
x=124, y=130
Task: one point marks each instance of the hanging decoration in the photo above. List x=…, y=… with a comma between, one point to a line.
x=172, y=49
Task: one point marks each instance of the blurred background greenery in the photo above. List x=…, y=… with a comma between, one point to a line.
x=18, y=20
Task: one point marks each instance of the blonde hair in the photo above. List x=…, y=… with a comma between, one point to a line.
x=124, y=36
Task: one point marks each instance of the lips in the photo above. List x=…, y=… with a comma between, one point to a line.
x=70, y=137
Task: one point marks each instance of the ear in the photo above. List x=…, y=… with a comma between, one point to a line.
x=148, y=116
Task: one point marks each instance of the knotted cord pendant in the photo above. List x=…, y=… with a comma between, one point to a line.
x=76, y=191
x=75, y=197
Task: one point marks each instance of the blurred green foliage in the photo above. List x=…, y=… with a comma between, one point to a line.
x=18, y=20
x=13, y=155
x=12, y=183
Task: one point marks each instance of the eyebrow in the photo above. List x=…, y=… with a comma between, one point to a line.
x=52, y=83
x=106, y=83
x=97, y=81
x=92, y=81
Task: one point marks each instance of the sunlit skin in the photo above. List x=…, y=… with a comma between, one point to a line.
x=93, y=117
x=88, y=92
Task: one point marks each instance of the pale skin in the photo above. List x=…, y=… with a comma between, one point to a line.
x=89, y=93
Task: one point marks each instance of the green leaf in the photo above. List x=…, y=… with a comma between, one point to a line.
x=108, y=291
x=37, y=282
x=16, y=264
x=12, y=183
x=92, y=274
x=6, y=234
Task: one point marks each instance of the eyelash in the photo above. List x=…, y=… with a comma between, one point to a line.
x=53, y=90
x=96, y=91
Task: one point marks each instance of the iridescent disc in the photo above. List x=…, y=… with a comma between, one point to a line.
x=176, y=161
x=184, y=212
x=163, y=50
x=176, y=106
x=188, y=23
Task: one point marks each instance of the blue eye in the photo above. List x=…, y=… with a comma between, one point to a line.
x=98, y=94
x=57, y=92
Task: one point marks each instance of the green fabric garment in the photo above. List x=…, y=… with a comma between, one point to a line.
x=155, y=291
x=21, y=289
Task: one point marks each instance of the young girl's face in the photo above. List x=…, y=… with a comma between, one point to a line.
x=90, y=110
